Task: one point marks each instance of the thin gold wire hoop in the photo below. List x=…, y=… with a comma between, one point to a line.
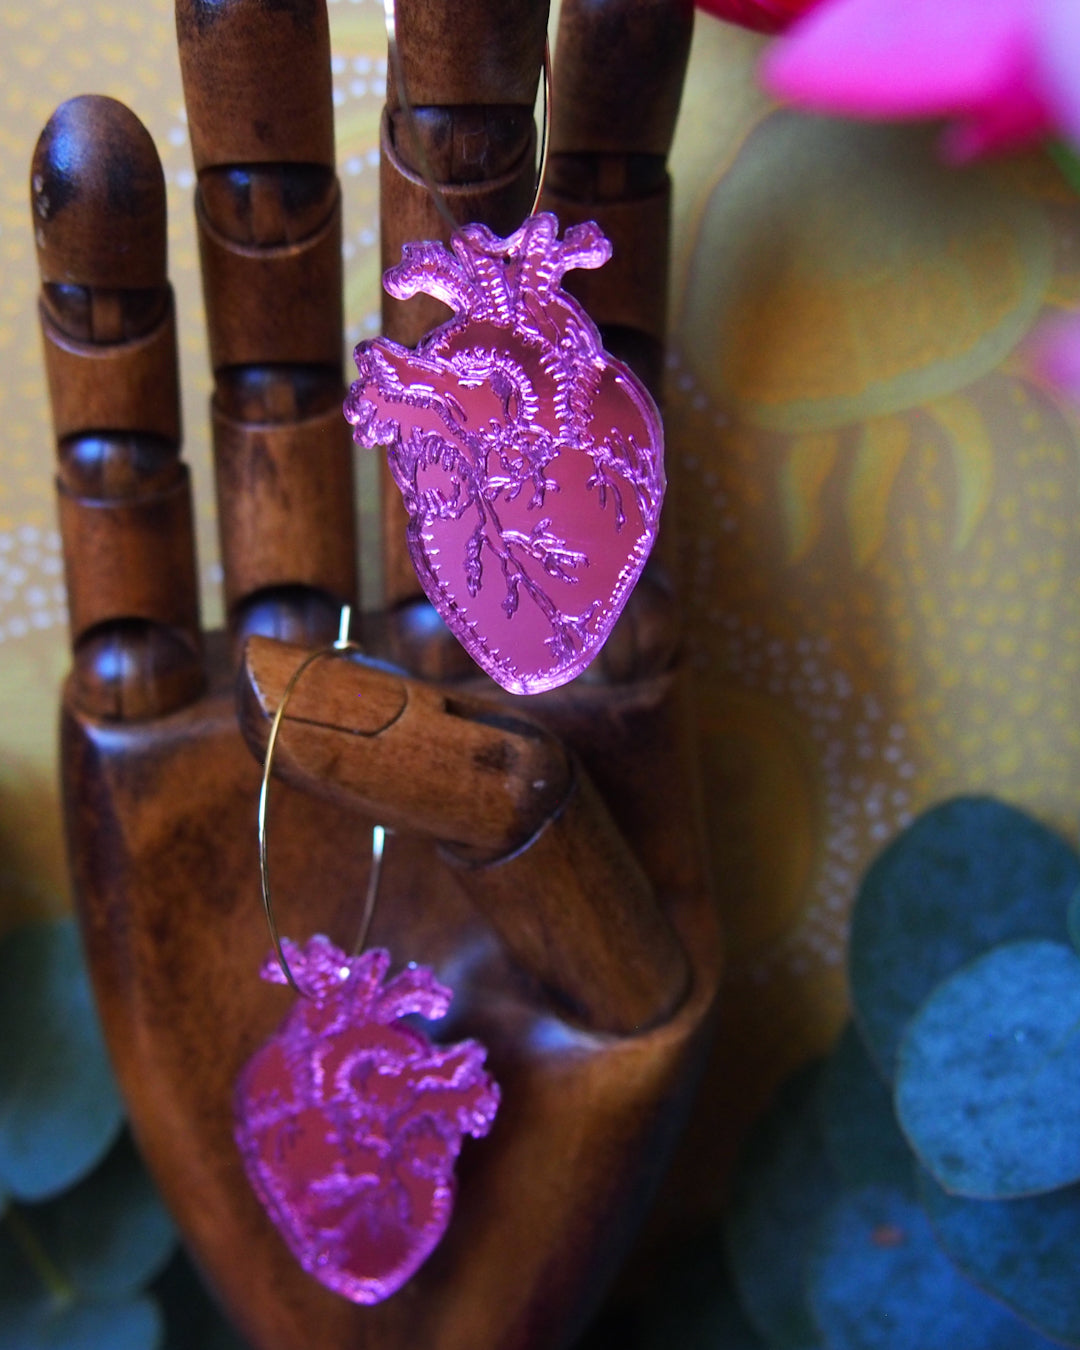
x=426, y=172
x=342, y=643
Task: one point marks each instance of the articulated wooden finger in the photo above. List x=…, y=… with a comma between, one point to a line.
x=577, y=911
x=415, y=758
x=98, y=201
x=531, y=840
x=268, y=212
x=303, y=546
x=471, y=72
x=619, y=69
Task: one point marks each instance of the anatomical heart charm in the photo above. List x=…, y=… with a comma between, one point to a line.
x=530, y=461
x=350, y=1120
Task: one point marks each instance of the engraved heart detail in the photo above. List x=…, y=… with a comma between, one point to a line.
x=529, y=459
x=350, y=1121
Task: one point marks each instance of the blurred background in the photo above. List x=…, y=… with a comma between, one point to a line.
x=876, y=502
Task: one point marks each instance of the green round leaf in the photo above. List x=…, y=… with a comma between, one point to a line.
x=110, y=1234
x=1024, y=1252
x=131, y=1325
x=1072, y=920
x=59, y=1108
x=36, y=1313
x=781, y=1187
x=879, y=1281
x=988, y=1085
x=968, y=875
x=859, y=1126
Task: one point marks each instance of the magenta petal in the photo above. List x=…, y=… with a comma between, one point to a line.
x=765, y=16
x=1007, y=122
x=901, y=58
x=1058, y=56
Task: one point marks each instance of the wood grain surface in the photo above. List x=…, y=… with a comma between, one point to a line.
x=546, y=858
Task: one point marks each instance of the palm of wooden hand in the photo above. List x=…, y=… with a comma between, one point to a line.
x=587, y=969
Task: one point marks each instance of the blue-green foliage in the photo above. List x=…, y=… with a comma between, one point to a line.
x=1024, y=1251
x=110, y=1233
x=59, y=1108
x=843, y=1231
x=85, y=1242
x=783, y=1187
x=82, y=1230
x=964, y=877
x=1073, y=920
x=879, y=1281
x=862, y=1139
x=128, y=1324
x=992, y=1048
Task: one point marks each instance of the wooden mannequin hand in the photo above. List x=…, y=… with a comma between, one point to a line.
x=587, y=967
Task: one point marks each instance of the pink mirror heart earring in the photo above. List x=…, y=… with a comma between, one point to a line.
x=349, y=1119
x=529, y=459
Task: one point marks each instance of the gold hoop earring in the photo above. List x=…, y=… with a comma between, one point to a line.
x=317, y=1109
x=341, y=644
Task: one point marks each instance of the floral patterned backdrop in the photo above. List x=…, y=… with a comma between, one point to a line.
x=878, y=523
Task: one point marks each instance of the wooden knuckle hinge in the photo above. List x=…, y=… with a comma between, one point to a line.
x=285, y=494
x=270, y=305
x=409, y=213
x=631, y=289
x=135, y=558
x=114, y=387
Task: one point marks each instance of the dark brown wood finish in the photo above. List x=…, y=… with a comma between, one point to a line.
x=98, y=201
x=268, y=211
x=547, y=857
x=471, y=72
x=535, y=847
x=613, y=169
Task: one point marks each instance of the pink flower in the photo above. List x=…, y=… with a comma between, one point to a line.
x=767, y=16
x=1005, y=72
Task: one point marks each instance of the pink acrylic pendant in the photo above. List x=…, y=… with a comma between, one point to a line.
x=530, y=461
x=350, y=1120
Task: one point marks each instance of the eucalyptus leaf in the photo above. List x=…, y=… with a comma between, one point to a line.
x=879, y=1281
x=988, y=1086
x=1072, y=920
x=1024, y=1252
x=59, y=1107
x=38, y=1313
x=966, y=876
x=858, y=1122
x=110, y=1234
x=782, y=1185
x=133, y=1324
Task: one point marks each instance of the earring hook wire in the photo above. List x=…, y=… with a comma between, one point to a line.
x=426, y=171
x=342, y=643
